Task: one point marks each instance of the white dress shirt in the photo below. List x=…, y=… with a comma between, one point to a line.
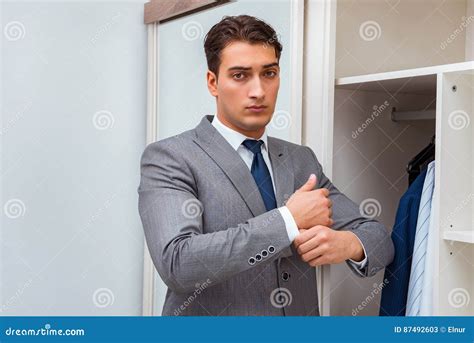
x=235, y=139
x=420, y=286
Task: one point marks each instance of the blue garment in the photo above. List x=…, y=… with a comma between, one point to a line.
x=261, y=174
x=397, y=274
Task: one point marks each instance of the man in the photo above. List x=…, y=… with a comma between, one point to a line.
x=223, y=231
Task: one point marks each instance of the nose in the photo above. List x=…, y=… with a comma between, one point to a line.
x=256, y=90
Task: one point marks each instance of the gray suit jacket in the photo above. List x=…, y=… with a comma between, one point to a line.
x=205, y=223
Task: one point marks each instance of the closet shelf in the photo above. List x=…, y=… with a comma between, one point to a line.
x=415, y=81
x=459, y=236
x=413, y=115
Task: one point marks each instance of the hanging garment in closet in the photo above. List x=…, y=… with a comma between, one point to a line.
x=421, y=161
x=397, y=274
x=417, y=284
x=426, y=306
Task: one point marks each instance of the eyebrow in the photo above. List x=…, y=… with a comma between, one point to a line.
x=249, y=68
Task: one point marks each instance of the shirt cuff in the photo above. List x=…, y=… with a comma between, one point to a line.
x=360, y=264
x=291, y=227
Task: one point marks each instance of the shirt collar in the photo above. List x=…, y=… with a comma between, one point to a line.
x=235, y=138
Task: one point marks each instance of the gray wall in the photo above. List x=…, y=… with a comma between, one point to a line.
x=379, y=36
x=73, y=109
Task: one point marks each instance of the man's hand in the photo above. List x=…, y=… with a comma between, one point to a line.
x=310, y=207
x=321, y=245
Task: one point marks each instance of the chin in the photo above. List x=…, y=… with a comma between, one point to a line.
x=256, y=122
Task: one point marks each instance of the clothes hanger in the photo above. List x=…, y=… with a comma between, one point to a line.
x=421, y=160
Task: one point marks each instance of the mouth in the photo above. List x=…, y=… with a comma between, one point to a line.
x=256, y=109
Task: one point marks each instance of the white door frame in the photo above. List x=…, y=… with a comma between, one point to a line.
x=151, y=136
x=318, y=105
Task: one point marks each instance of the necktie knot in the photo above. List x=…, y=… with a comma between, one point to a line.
x=253, y=145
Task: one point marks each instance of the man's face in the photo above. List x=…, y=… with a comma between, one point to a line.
x=247, y=87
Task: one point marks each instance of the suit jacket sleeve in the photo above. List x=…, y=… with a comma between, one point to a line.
x=346, y=215
x=171, y=215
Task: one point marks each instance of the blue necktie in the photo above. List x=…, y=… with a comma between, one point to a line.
x=261, y=174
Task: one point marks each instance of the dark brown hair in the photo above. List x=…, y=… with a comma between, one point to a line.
x=237, y=28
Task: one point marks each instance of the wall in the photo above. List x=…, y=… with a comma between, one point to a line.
x=470, y=30
x=378, y=36
x=73, y=129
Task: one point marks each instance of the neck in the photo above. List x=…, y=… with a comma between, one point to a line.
x=255, y=134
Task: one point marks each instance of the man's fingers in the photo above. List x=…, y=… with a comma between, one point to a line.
x=309, y=245
x=309, y=185
x=303, y=237
x=325, y=191
x=307, y=235
x=331, y=222
x=313, y=254
x=318, y=261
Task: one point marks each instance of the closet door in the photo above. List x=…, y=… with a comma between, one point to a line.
x=179, y=98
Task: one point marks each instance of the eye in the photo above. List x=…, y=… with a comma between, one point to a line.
x=271, y=73
x=238, y=76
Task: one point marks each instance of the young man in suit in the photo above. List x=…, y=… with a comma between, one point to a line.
x=235, y=220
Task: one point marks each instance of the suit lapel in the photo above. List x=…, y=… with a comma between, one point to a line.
x=222, y=153
x=283, y=175
x=212, y=142
x=282, y=170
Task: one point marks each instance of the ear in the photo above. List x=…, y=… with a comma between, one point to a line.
x=212, y=83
